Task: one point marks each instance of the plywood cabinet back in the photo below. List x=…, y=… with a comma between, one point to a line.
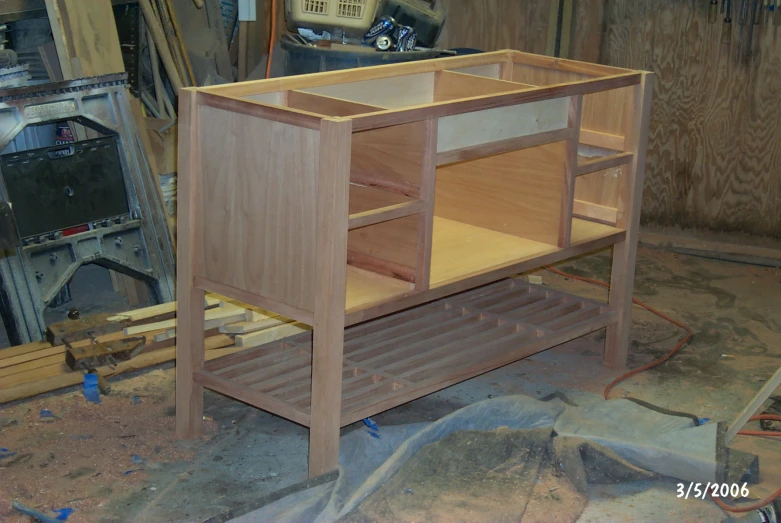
x=258, y=205
x=503, y=123
x=518, y=193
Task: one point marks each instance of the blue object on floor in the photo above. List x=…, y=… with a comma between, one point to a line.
x=374, y=430
x=63, y=513
x=138, y=460
x=136, y=400
x=91, y=392
x=47, y=415
x=37, y=514
x=5, y=453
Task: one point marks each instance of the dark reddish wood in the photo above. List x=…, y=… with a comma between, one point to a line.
x=409, y=354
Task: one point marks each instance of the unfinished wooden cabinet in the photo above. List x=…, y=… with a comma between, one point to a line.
x=386, y=207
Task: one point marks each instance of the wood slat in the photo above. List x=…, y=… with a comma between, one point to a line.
x=604, y=162
x=254, y=398
x=408, y=354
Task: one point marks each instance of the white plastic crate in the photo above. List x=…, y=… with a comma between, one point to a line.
x=350, y=14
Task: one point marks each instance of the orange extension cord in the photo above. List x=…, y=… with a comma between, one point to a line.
x=271, y=37
x=683, y=341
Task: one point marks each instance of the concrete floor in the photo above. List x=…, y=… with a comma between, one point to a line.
x=249, y=454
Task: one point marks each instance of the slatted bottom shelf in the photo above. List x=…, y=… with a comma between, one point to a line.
x=403, y=356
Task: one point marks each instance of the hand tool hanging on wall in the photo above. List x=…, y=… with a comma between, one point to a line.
x=726, y=30
x=713, y=11
x=753, y=20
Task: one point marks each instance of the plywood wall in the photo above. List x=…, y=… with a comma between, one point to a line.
x=715, y=149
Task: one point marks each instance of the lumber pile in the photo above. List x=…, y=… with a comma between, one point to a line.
x=39, y=367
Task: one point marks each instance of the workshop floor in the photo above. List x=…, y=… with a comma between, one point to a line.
x=118, y=461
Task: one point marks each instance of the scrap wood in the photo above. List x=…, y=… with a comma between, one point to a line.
x=247, y=341
x=155, y=29
x=255, y=321
x=156, y=310
x=219, y=345
x=213, y=318
x=39, y=367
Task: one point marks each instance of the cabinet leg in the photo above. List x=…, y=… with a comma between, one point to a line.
x=326, y=399
x=190, y=349
x=621, y=285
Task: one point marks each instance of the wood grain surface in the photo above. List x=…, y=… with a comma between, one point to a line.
x=714, y=158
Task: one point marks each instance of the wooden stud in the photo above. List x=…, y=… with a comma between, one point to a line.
x=189, y=342
x=333, y=182
x=625, y=253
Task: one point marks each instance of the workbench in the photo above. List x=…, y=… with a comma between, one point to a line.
x=387, y=207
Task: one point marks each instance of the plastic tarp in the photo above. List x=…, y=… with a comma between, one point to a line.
x=666, y=444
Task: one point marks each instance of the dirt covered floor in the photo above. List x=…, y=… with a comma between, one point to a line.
x=119, y=461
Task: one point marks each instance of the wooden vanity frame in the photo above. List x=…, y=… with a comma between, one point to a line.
x=314, y=197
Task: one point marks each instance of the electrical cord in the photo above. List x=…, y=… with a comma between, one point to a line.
x=683, y=341
x=271, y=37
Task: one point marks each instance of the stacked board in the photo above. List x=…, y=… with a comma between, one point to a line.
x=39, y=367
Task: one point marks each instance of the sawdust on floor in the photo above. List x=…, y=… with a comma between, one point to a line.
x=89, y=453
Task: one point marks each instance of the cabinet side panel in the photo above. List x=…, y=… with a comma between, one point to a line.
x=258, y=205
x=518, y=193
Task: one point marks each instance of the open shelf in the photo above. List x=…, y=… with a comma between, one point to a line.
x=409, y=354
x=369, y=205
x=367, y=287
x=460, y=250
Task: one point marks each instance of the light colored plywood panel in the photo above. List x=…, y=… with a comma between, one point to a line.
x=502, y=123
x=517, y=193
x=390, y=158
x=608, y=112
x=259, y=180
x=604, y=112
x=85, y=37
x=365, y=288
x=584, y=231
x=531, y=74
x=600, y=187
x=595, y=212
x=327, y=105
x=460, y=250
x=449, y=85
x=395, y=92
x=488, y=71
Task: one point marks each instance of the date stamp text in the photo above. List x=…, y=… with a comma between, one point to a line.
x=714, y=490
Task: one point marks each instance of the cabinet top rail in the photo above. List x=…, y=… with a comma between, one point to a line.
x=380, y=96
